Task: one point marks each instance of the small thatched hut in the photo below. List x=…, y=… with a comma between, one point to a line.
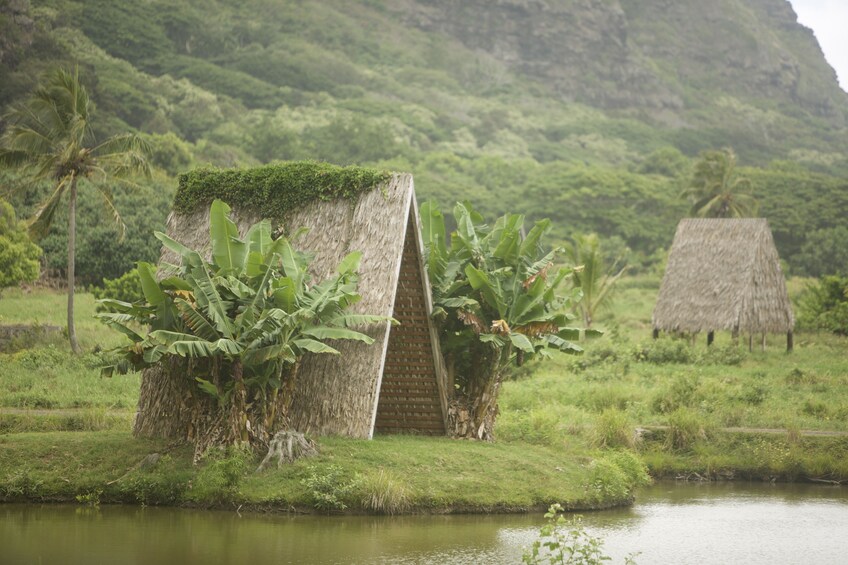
x=395, y=385
x=724, y=274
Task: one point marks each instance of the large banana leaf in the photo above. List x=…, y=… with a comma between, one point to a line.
x=216, y=310
x=149, y=286
x=228, y=251
x=196, y=321
x=322, y=332
x=314, y=346
x=259, y=238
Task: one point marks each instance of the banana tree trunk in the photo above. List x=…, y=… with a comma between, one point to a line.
x=472, y=412
x=172, y=406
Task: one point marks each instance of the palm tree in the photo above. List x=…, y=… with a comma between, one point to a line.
x=50, y=137
x=592, y=275
x=716, y=191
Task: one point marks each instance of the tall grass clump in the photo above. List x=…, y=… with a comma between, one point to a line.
x=685, y=428
x=613, y=428
x=383, y=493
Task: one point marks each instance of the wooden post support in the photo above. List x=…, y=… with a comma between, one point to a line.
x=710, y=338
x=656, y=333
x=789, y=341
x=735, y=336
x=750, y=342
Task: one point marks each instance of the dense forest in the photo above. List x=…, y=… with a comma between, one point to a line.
x=590, y=113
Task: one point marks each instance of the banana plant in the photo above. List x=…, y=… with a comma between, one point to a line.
x=247, y=315
x=497, y=299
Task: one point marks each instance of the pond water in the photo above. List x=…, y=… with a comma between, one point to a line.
x=670, y=523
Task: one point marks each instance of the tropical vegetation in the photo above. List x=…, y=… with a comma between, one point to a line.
x=232, y=330
x=243, y=85
x=19, y=257
x=50, y=137
x=593, y=275
x=498, y=302
x=717, y=190
x=824, y=305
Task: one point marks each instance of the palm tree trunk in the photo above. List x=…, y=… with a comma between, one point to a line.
x=72, y=235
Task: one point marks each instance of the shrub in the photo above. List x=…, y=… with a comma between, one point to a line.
x=754, y=394
x=330, y=489
x=126, y=288
x=824, y=305
x=18, y=255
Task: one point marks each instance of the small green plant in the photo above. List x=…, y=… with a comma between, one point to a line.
x=91, y=498
x=565, y=541
x=330, y=488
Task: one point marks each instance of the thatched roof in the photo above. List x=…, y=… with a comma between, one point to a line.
x=723, y=274
x=338, y=394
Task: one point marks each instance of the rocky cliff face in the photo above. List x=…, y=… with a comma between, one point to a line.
x=644, y=54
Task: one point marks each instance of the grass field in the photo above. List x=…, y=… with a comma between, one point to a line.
x=627, y=380
x=569, y=424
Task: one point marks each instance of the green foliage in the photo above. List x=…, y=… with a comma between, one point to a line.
x=494, y=291
x=382, y=492
x=824, y=305
x=825, y=252
x=565, y=541
x=126, y=288
x=274, y=190
x=592, y=275
x=252, y=308
x=681, y=392
x=330, y=487
x=717, y=190
x=50, y=138
x=19, y=257
x=221, y=473
x=664, y=350
x=614, y=429
x=686, y=428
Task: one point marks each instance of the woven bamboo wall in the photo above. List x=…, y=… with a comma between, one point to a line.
x=409, y=394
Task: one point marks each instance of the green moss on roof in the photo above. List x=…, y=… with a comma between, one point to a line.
x=274, y=190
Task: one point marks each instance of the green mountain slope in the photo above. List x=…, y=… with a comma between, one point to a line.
x=588, y=111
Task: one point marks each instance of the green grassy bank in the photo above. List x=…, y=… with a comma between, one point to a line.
x=386, y=475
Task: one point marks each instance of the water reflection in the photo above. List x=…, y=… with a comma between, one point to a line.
x=716, y=523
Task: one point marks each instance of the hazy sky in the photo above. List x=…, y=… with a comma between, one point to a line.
x=829, y=21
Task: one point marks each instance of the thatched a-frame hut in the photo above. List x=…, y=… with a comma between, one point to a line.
x=724, y=274
x=396, y=385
